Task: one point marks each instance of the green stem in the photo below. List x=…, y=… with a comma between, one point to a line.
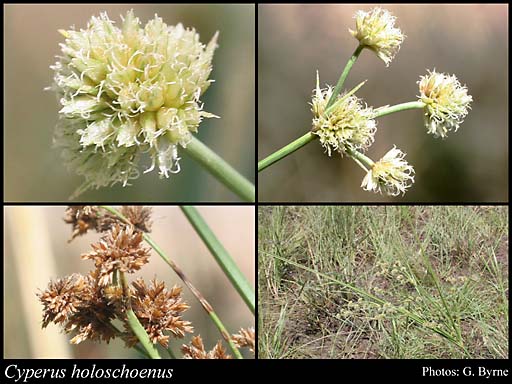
x=219, y=168
x=344, y=75
x=135, y=324
x=383, y=111
x=359, y=158
x=285, y=151
x=141, y=334
x=206, y=306
x=308, y=137
x=222, y=257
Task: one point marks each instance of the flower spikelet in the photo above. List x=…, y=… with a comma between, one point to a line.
x=120, y=249
x=128, y=90
x=78, y=304
x=63, y=298
x=93, y=321
x=138, y=216
x=347, y=124
x=376, y=30
x=82, y=218
x=196, y=350
x=245, y=338
x=391, y=174
x=447, y=102
x=159, y=310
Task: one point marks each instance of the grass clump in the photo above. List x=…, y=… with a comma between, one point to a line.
x=383, y=282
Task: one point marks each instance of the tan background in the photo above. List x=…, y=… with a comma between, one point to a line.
x=39, y=251
x=34, y=170
x=470, y=41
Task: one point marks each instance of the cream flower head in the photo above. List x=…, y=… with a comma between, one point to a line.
x=129, y=90
x=376, y=30
x=346, y=124
x=447, y=102
x=391, y=174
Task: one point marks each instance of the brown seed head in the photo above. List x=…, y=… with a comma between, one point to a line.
x=82, y=218
x=196, y=350
x=245, y=338
x=159, y=310
x=120, y=249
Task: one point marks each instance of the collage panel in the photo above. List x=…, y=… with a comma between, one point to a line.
x=383, y=282
x=129, y=282
x=135, y=103
x=382, y=103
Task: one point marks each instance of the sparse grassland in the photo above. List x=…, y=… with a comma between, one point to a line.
x=383, y=282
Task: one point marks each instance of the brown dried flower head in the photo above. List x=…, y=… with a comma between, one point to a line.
x=159, y=310
x=93, y=320
x=139, y=216
x=63, y=298
x=245, y=338
x=82, y=218
x=120, y=249
x=77, y=303
x=196, y=350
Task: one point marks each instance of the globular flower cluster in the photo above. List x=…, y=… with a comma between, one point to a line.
x=159, y=310
x=129, y=90
x=119, y=250
x=348, y=127
x=446, y=102
x=246, y=338
x=85, y=217
x=376, y=31
x=391, y=174
x=196, y=350
x=347, y=124
x=85, y=306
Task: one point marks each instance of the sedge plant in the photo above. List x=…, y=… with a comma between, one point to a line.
x=89, y=307
x=343, y=123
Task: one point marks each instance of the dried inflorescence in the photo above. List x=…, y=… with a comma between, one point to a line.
x=82, y=218
x=91, y=217
x=196, y=350
x=159, y=310
x=138, y=216
x=245, y=338
x=86, y=305
x=77, y=303
x=119, y=250
x=63, y=298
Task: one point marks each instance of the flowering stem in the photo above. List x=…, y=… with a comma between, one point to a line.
x=285, y=151
x=308, y=137
x=134, y=322
x=220, y=254
x=363, y=161
x=205, y=304
x=344, y=75
x=219, y=168
x=383, y=111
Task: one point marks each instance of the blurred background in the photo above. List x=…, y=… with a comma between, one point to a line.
x=36, y=250
x=34, y=170
x=470, y=41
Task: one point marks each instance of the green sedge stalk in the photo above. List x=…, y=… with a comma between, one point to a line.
x=221, y=170
x=222, y=256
